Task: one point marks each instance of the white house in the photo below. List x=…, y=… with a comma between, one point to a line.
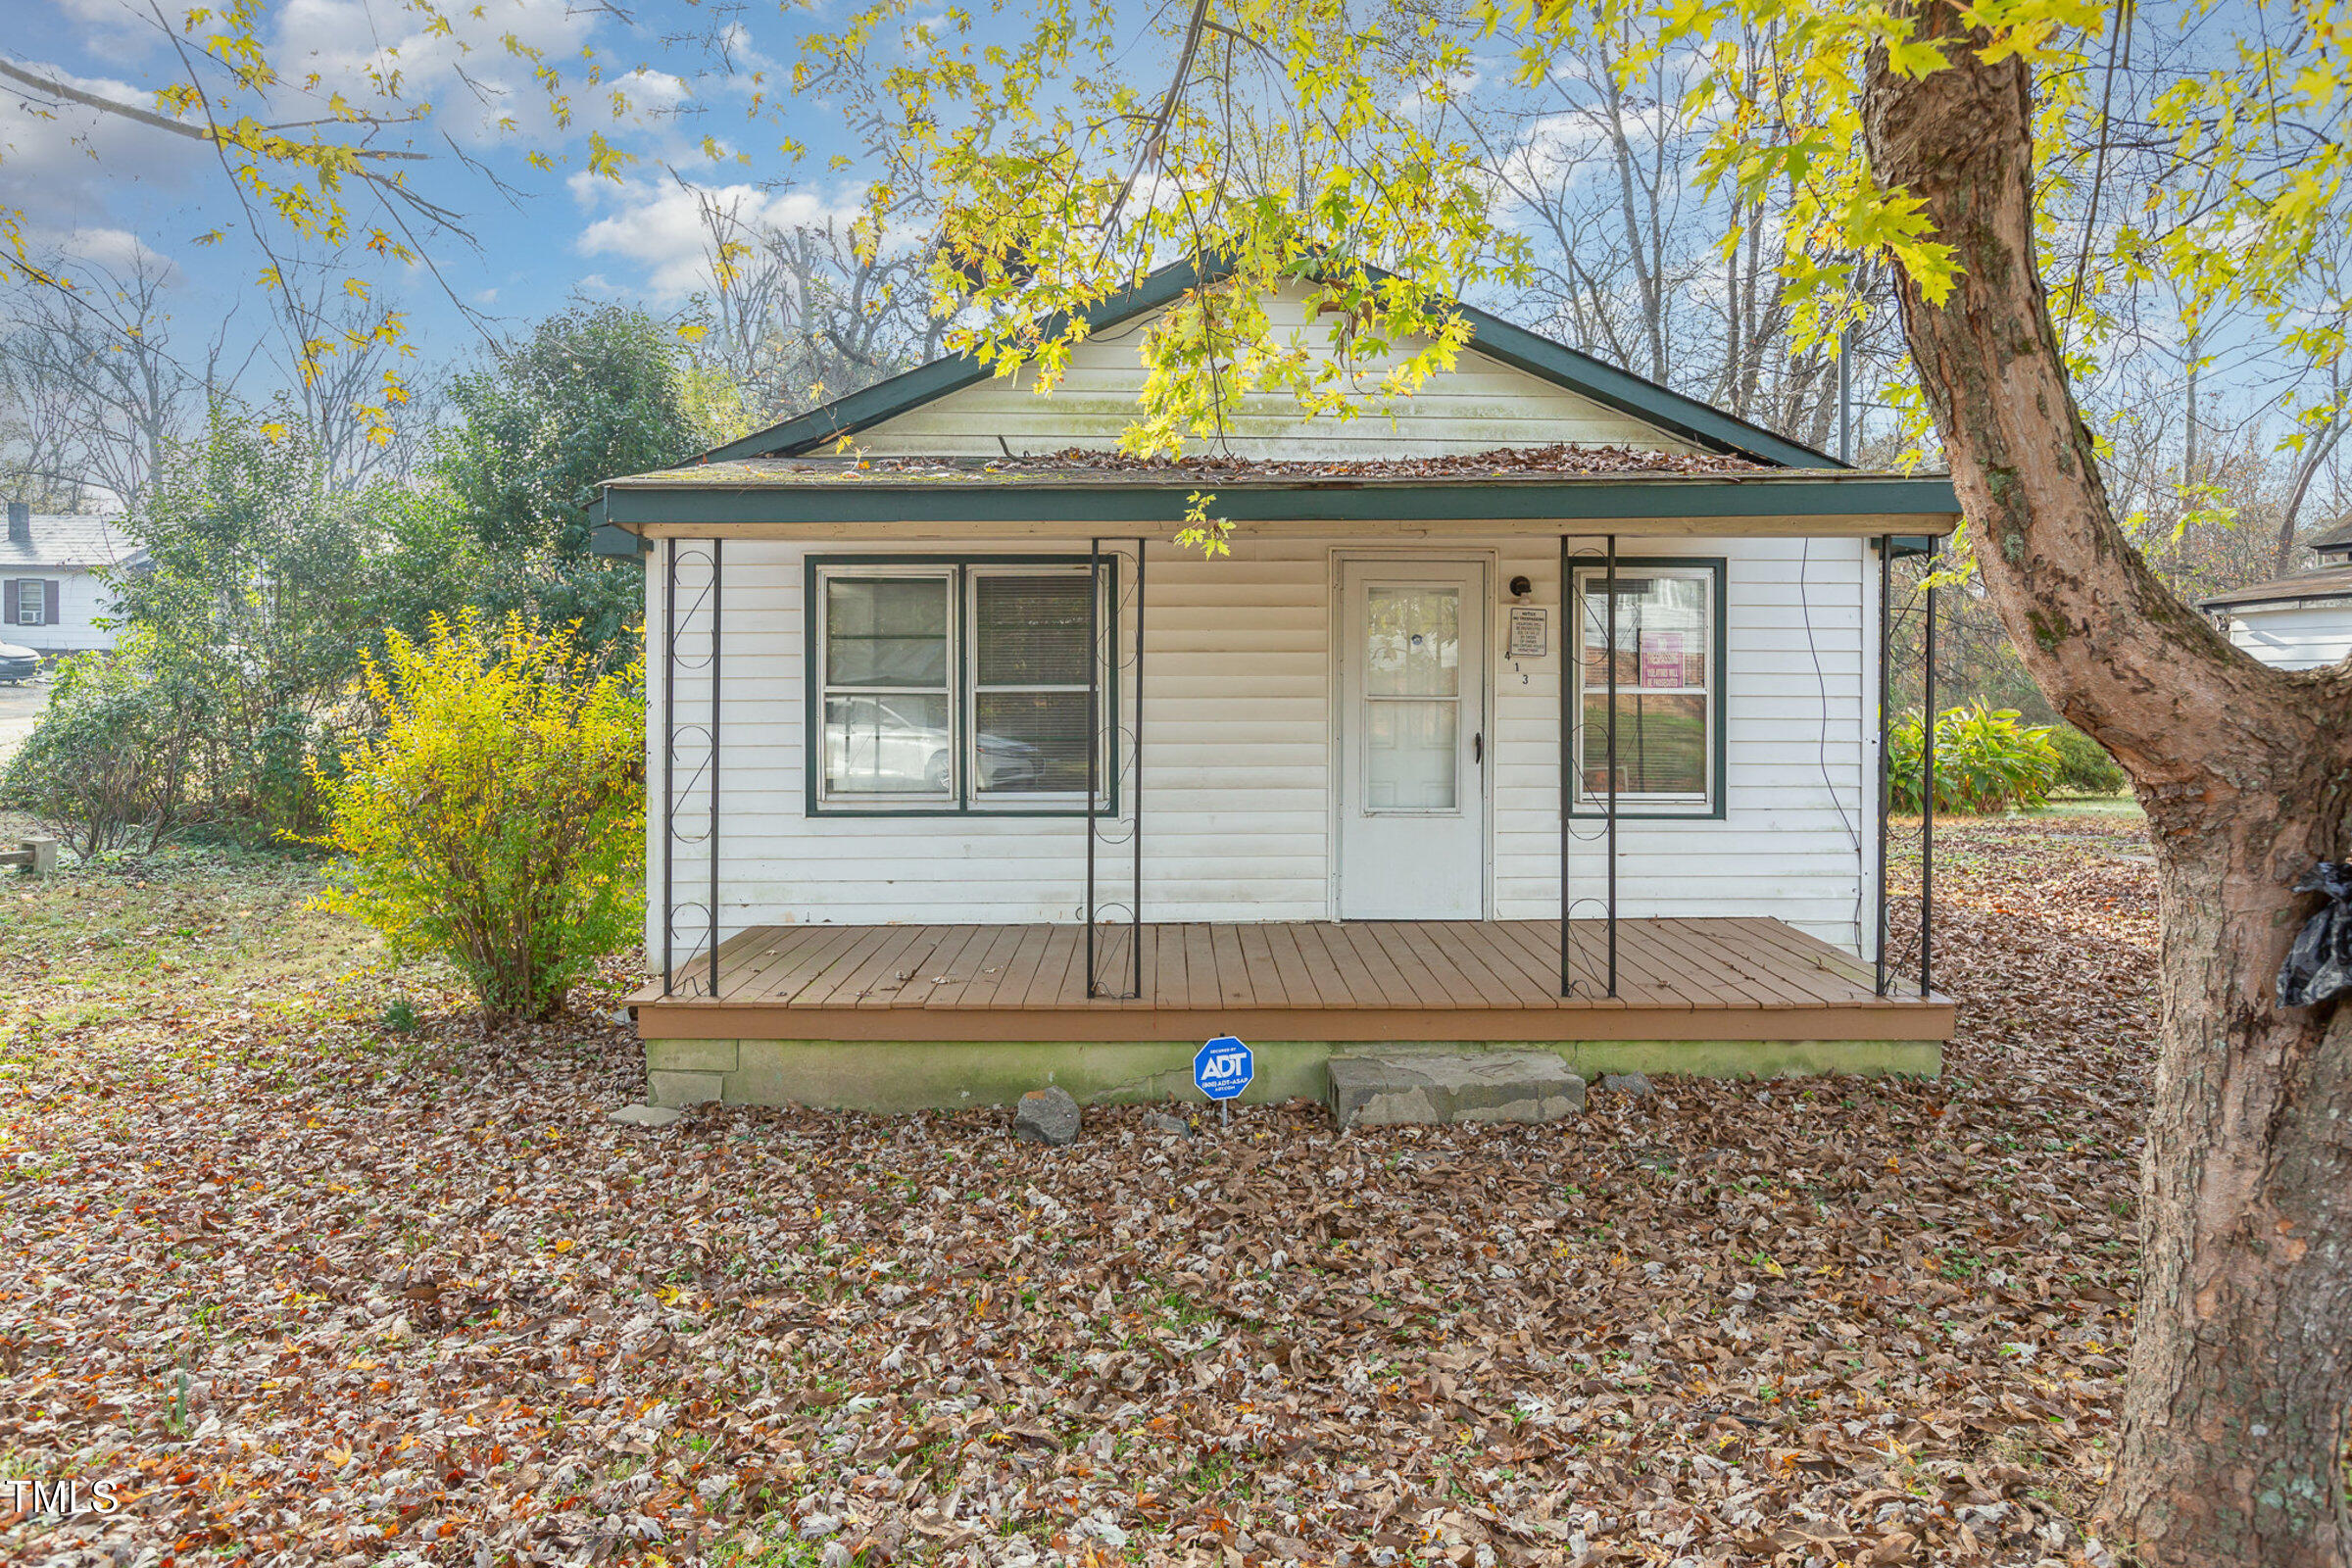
x=2300, y=622
x=51, y=596
x=932, y=823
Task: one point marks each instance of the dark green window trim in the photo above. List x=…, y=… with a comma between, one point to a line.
x=1572, y=650
x=812, y=804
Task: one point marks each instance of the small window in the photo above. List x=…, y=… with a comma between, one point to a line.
x=32, y=602
x=1668, y=663
x=886, y=662
x=1029, y=681
x=956, y=686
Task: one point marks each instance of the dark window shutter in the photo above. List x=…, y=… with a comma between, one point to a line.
x=8, y=602
x=49, y=604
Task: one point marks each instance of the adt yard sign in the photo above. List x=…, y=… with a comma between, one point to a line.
x=1223, y=1068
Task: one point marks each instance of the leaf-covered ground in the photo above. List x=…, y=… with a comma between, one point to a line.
x=306, y=1289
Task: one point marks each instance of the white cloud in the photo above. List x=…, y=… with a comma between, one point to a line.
x=661, y=227
x=112, y=28
x=470, y=74
x=59, y=163
x=119, y=249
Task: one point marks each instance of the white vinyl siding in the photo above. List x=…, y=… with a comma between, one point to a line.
x=1479, y=404
x=1235, y=729
x=2295, y=636
x=82, y=601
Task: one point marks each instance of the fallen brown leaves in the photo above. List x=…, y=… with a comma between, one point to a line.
x=1498, y=462
x=310, y=1292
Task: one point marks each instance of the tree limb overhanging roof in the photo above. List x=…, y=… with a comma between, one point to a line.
x=1703, y=423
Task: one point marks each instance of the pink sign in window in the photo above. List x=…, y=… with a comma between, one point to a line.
x=1662, y=659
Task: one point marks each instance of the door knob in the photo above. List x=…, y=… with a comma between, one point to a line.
x=1478, y=747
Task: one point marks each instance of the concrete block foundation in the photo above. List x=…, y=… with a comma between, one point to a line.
x=954, y=1074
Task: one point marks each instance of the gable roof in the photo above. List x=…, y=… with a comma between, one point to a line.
x=69, y=541
x=1701, y=423
x=2335, y=541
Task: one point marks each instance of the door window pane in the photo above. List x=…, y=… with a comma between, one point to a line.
x=1412, y=642
x=1661, y=744
x=886, y=631
x=893, y=745
x=1410, y=755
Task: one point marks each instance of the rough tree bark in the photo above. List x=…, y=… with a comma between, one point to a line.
x=2240, y=1390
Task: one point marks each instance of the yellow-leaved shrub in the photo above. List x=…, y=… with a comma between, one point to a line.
x=497, y=819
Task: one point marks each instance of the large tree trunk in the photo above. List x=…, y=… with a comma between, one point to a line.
x=2241, y=1392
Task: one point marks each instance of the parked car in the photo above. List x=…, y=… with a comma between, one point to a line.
x=17, y=664
x=873, y=749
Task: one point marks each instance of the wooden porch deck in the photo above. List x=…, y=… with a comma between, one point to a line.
x=1434, y=980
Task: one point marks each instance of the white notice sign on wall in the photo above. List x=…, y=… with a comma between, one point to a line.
x=1531, y=632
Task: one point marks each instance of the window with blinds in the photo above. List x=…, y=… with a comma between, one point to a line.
x=1668, y=715
x=1029, y=680
x=956, y=685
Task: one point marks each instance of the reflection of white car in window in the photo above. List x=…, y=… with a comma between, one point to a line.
x=874, y=748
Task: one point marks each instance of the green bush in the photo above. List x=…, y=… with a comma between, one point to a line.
x=1985, y=762
x=264, y=582
x=498, y=819
x=106, y=766
x=2083, y=765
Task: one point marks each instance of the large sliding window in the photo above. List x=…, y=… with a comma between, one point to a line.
x=1669, y=664
x=955, y=685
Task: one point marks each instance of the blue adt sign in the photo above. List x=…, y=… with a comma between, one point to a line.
x=1223, y=1068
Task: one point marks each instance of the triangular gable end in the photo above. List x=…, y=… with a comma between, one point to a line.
x=1509, y=388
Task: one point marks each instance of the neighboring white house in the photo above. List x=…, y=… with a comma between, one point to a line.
x=2297, y=622
x=51, y=596
x=958, y=826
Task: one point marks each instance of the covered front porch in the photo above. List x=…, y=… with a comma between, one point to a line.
x=919, y=1016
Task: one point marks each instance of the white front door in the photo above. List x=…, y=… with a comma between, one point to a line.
x=1412, y=740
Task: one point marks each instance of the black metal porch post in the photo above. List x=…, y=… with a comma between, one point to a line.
x=1094, y=737
x=1136, y=794
x=717, y=624
x=1926, y=799
x=1885, y=588
x=1610, y=645
x=1571, y=652
x=670, y=741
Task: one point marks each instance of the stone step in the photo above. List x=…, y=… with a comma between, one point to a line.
x=1469, y=1086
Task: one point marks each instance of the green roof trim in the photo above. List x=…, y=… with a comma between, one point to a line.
x=605, y=538
x=1529, y=352
x=1621, y=501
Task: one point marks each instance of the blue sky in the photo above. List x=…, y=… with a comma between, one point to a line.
x=103, y=190
x=100, y=188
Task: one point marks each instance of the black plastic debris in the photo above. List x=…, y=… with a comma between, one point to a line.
x=2320, y=963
